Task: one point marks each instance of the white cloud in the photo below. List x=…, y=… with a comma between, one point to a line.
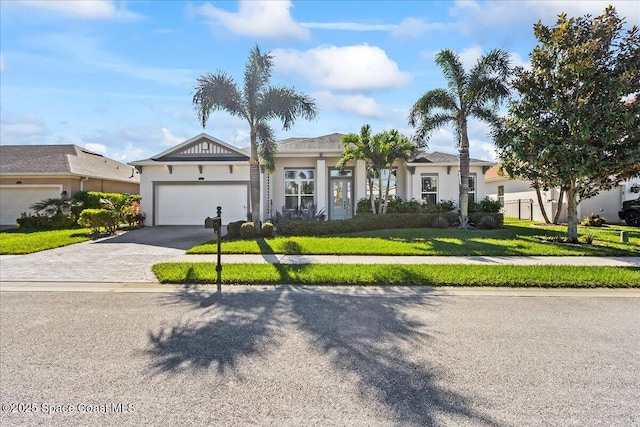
x=1, y=63
x=96, y=148
x=410, y=27
x=355, y=104
x=269, y=19
x=84, y=9
x=348, y=26
x=469, y=56
x=169, y=139
x=361, y=67
x=23, y=129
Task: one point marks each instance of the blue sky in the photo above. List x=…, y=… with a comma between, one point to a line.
x=118, y=77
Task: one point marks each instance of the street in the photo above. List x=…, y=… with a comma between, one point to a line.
x=303, y=356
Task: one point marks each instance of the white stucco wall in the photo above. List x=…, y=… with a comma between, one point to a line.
x=448, y=182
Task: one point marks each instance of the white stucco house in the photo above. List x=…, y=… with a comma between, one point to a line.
x=515, y=194
x=185, y=184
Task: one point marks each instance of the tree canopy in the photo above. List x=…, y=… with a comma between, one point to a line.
x=473, y=94
x=379, y=152
x=258, y=103
x=576, y=122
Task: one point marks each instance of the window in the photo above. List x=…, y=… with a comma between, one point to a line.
x=299, y=189
x=429, y=189
x=472, y=188
x=501, y=195
x=392, y=184
x=337, y=173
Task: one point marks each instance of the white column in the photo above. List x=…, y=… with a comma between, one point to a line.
x=360, y=184
x=321, y=184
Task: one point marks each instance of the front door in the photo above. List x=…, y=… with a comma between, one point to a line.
x=341, y=199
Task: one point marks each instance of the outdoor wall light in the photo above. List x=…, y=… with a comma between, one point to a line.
x=64, y=193
x=635, y=188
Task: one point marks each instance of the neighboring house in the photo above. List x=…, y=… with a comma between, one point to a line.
x=519, y=197
x=185, y=184
x=31, y=173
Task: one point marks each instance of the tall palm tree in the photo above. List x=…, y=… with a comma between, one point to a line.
x=476, y=93
x=379, y=152
x=257, y=102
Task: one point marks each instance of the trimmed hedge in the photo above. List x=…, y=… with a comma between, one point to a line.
x=376, y=222
x=97, y=218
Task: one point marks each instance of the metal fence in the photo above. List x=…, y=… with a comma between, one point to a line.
x=521, y=209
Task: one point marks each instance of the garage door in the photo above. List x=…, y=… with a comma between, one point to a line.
x=186, y=204
x=15, y=200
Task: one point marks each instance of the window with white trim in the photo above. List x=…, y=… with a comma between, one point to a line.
x=299, y=189
x=429, y=189
x=472, y=187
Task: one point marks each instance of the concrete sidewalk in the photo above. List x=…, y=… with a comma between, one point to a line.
x=583, y=261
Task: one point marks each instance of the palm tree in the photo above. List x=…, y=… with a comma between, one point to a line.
x=379, y=152
x=257, y=102
x=476, y=93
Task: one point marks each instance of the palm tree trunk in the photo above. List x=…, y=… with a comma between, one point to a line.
x=386, y=192
x=380, y=193
x=464, y=174
x=254, y=181
x=542, y=209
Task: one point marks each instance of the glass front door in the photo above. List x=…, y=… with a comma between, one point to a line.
x=341, y=199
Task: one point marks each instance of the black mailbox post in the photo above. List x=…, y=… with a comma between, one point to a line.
x=216, y=224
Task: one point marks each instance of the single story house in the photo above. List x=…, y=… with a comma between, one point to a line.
x=185, y=184
x=520, y=199
x=31, y=173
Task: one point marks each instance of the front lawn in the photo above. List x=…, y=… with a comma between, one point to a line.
x=24, y=241
x=401, y=275
x=517, y=238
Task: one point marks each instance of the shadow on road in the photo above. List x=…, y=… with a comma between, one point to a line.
x=369, y=336
x=232, y=326
x=169, y=236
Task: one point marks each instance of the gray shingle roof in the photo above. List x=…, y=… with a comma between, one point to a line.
x=62, y=160
x=325, y=142
x=437, y=157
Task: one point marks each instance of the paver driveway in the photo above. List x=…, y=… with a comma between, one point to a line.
x=124, y=258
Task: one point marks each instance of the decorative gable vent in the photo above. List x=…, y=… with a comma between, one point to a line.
x=204, y=148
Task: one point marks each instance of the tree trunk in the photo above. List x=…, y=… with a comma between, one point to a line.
x=556, y=219
x=254, y=181
x=386, y=192
x=380, y=193
x=371, y=198
x=542, y=209
x=463, y=204
x=572, y=213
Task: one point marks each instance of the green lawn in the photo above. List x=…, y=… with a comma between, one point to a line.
x=401, y=275
x=516, y=238
x=21, y=241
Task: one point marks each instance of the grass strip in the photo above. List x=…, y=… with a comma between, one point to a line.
x=402, y=275
x=20, y=241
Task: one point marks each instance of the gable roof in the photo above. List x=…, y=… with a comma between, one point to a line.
x=42, y=160
x=200, y=148
x=437, y=157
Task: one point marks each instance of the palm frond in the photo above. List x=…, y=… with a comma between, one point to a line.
x=453, y=71
x=257, y=74
x=266, y=145
x=217, y=91
x=286, y=104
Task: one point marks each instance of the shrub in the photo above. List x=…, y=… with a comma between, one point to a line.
x=247, y=230
x=97, y=218
x=267, y=229
x=593, y=220
x=45, y=222
x=488, y=223
x=489, y=205
x=440, y=222
x=233, y=228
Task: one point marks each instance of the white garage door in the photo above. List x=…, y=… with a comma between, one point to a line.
x=15, y=200
x=186, y=204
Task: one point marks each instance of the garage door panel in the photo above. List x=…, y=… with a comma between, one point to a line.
x=191, y=204
x=15, y=201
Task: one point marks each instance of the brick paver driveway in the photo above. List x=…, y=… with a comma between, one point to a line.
x=124, y=258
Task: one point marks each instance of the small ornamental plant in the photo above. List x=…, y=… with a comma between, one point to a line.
x=593, y=220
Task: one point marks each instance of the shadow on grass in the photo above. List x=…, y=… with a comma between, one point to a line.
x=227, y=329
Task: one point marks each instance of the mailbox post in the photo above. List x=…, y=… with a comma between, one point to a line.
x=216, y=224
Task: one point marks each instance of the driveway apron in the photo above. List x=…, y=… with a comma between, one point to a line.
x=127, y=257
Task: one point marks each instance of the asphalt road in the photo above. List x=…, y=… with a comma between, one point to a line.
x=307, y=357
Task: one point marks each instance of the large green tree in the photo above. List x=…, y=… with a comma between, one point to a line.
x=379, y=152
x=258, y=103
x=473, y=94
x=575, y=123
